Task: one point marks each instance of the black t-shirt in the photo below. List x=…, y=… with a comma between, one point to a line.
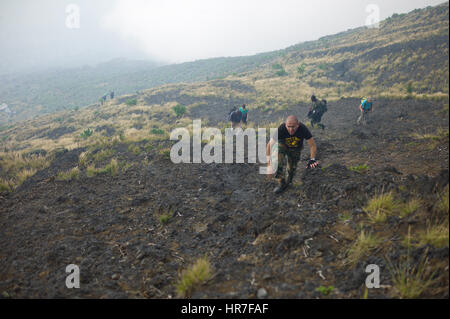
x=296, y=140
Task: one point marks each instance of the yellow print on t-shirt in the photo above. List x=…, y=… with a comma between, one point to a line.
x=292, y=141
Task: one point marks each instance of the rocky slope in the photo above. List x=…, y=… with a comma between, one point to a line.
x=290, y=245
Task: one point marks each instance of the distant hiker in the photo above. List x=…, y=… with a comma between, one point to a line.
x=235, y=116
x=365, y=108
x=111, y=95
x=290, y=144
x=244, y=112
x=103, y=99
x=316, y=111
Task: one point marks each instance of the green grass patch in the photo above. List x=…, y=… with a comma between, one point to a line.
x=359, y=168
x=179, y=110
x=301, y=69
x=165, y=218
x=325, y=290
x=131, y=102
x=86, y=133
x=281, y=72
x=157, y=131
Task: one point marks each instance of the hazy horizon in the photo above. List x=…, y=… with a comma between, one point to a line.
x=37, y=35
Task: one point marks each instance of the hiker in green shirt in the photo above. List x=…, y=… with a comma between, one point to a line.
x=244, y=112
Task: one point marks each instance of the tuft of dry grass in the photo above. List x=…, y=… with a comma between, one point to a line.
x=435, y=235
x=23, y=175
x=411, y=280
x=69, y=175
x=112, y=168
x=91, y=171
x=16, y=161
x=363, y=244
x=410, y=207
x=5, y=185
x=83, y=159
x=194, y=276
x=442, y=204
x=18, y=167
x=380, y=207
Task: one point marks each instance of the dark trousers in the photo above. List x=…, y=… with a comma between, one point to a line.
x=289, y=156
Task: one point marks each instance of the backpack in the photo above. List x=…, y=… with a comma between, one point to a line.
x=363, y=106
x=236, y=116
x=230, y=113
x=319, y=108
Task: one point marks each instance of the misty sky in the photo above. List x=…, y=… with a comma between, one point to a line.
x=44, y=33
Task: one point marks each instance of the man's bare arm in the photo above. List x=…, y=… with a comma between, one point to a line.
x=312, y=148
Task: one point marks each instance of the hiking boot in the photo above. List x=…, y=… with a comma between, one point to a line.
x=280, y=188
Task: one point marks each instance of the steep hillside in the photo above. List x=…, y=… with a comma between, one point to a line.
x=407, y=54
x=134, y=222
x=95, y=187
x=29, y=95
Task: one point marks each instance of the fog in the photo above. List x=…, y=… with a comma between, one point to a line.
x=36, y=35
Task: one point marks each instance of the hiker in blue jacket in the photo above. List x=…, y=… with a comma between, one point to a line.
x=365, y=108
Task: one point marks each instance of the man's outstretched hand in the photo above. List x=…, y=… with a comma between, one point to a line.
x=312, y=163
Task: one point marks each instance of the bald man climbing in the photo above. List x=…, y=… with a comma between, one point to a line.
x=290, y=143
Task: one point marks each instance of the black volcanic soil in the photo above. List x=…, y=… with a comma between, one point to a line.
x=288, y=244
